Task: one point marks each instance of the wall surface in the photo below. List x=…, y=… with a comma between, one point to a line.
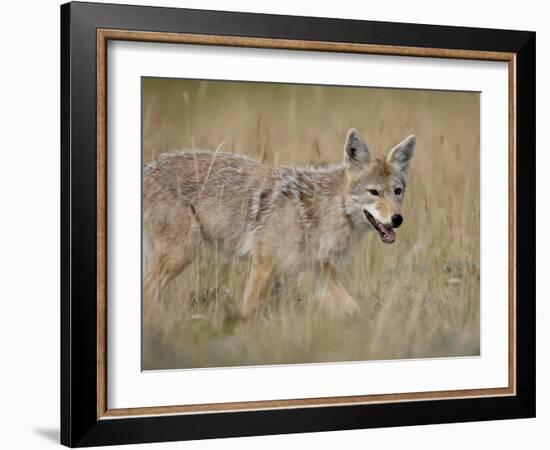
x=29, y=237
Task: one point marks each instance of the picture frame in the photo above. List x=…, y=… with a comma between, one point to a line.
x=86, y=418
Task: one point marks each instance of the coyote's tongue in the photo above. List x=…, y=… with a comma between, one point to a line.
x=387, y=234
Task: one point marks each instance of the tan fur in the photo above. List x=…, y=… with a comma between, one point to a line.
x=284, y=219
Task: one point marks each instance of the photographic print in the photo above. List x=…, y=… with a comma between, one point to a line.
x=296, y=199
x=293, y=224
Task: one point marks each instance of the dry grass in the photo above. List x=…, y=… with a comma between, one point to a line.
x=419, y=297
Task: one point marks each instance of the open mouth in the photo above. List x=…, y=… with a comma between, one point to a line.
x=386, y=233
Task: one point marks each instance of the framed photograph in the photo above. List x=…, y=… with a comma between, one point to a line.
x=277, y=224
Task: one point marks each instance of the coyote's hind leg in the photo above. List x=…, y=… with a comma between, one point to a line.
x=174, y=246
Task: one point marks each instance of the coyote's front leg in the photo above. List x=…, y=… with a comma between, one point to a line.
x=331, y=295
x=260, y=272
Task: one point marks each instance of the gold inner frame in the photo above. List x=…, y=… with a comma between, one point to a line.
x=103, y=36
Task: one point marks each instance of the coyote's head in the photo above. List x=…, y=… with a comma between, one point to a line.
x=375, y=186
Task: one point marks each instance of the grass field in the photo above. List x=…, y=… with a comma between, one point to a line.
x=419, y=297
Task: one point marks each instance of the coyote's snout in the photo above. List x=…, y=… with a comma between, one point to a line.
x=284, y=219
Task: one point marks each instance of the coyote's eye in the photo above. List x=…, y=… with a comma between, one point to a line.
x=398, y=191
x=373, y=191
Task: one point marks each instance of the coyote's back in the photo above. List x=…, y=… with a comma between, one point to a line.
x=212, y=188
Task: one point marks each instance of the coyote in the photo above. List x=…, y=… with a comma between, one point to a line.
x=283, y=219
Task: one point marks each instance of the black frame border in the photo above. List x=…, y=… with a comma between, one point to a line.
x=79, y=423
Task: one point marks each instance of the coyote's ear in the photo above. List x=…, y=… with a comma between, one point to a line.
x=356, y=152
x=400, y=156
